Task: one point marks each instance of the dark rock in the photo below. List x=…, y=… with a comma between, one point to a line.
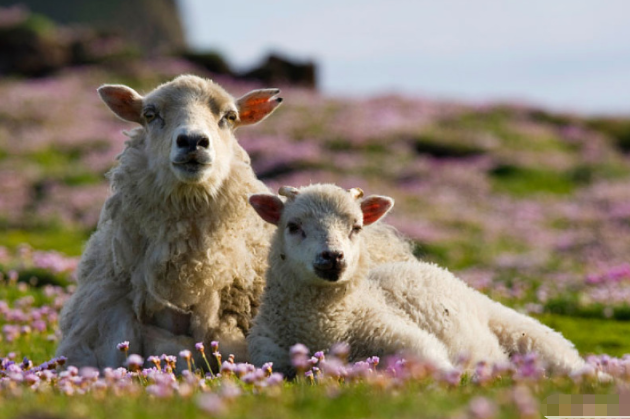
x=618, y=129
x=279, y=70
x=153, y=25
x=210, y=60
x=30, y=46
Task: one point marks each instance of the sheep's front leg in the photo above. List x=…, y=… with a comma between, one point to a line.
x=231, y=340
x=157, y=341
x=95, y=319
x=209, y=324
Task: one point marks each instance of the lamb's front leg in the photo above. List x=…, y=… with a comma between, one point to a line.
x=263, y=347
x=518, y=333
x=388, y=334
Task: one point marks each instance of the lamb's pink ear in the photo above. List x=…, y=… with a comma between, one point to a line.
x=123, y=101
x=257, y=105
x=375, y=207
x=269, y=207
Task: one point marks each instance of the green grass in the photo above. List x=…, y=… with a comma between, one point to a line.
x=35, y=345
x=523, y=181
x=65, y=164
x=299, y=399
x=295, y=400
x=465, y=252
x=51, y=159
x=39, y=24
x=444, y=142
x=12, y=293
x=456, y=256
x=66, y=240
x=592, y=336
x=82, y=178
x=37, y=349
x=499, y=122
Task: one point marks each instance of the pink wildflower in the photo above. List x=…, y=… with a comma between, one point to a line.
x=123, y=347
x=134, y=362
x=341, y=350
x=155, y=361
x=160, y=391
x=275, y=379
x=482, y=408
x=268, y=367
x=227, y=368
x=211, y=403
x=298, y=349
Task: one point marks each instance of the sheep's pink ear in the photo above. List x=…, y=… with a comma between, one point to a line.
x=123, y=101
x=269, y=207
x=257, y=105
x=375, y=207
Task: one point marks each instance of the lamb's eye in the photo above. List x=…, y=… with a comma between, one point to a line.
x=356, y=229
x=293, y=228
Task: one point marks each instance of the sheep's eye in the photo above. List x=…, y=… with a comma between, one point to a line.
x=356, y=229
x=230, y=116
x=293, y=228
x=149, y=114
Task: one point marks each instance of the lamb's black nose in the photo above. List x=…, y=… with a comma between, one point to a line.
x=332, y=258
x=192, y=142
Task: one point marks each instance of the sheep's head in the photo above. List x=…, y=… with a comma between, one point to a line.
x=319, y=228
x=190, y=124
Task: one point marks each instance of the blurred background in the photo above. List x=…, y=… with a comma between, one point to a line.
x=502, y=129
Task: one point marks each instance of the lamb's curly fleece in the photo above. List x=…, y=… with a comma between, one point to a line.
x=384, y=309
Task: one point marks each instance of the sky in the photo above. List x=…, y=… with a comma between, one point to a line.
x=571, y=55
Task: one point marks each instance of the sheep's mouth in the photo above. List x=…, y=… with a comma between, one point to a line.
x=192, y=165
x=332, y=275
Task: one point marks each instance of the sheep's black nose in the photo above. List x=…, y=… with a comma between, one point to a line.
x=330, y=265
x=192, y=142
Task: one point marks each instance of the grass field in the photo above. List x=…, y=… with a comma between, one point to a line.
x=527, y=206
x=412, y=392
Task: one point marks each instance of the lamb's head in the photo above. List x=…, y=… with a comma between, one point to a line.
x=319, y=229
x=189, y=124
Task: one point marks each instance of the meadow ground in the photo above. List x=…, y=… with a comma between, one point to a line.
x=528, y=206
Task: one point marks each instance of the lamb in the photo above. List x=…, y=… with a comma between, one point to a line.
x=321, y=290
x=178, y=256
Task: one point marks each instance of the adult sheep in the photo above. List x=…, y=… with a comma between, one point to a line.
x=321, y=289
x=178, y=256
